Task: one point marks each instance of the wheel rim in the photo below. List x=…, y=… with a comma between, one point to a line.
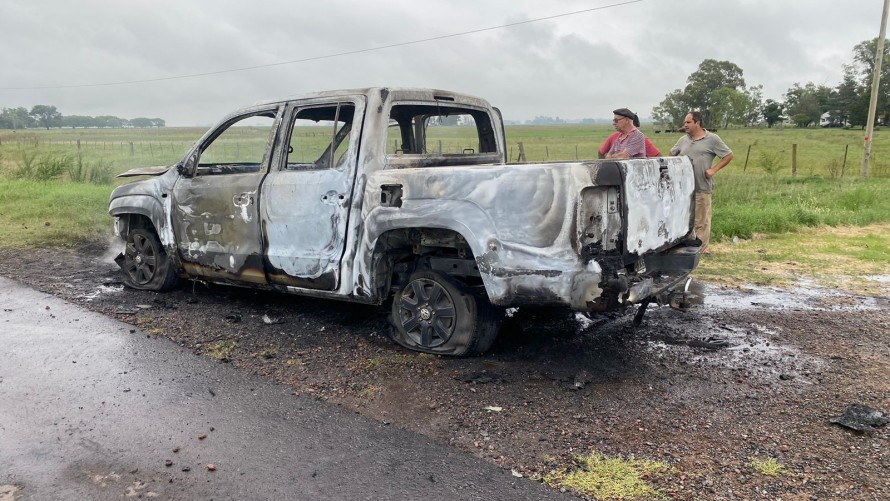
x=141, y=259
x=427, y=313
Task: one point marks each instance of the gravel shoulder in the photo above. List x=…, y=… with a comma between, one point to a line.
x=706, y=391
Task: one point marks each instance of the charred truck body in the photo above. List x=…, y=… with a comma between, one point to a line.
x=366, y=195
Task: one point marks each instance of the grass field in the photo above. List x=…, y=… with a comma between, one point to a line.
x=47, y=201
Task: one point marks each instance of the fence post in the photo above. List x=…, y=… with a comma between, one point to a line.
x=440, y=146
x=521, y=152
x=844, y=166
x=576, y=152
x=794, y=160
x=132, y=151
x=78, y=145
x=546, y=152
x=746, y=159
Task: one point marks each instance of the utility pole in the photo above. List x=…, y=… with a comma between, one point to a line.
x=873, y=103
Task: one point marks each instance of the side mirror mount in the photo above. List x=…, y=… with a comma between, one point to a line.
x=186, y=168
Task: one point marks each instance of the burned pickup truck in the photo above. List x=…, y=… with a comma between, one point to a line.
x=405, y=196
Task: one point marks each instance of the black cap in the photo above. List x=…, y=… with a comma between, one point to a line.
x=624, y=112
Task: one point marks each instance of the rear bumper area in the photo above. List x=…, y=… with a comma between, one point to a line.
x=666, y=273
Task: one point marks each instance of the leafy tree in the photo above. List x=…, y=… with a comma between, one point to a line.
x=108, y=121
x=710, y=76
x=46, y=115
x=772, y=112
x=805, y=110
x=864, y=60
x=864, y=55
x=802, y=120
x=843, y=98
x=699, y=91
x=672, y=110
x=728, y=106
x=753, y=105
x=75, y=121
x=859, y=110
x=141, y=122
x=15, y=118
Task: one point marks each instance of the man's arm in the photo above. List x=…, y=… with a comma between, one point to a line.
x=606, y=146
x=719, y=165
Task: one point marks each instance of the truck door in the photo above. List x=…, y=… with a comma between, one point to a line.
x=306, y=198
x=214, y=209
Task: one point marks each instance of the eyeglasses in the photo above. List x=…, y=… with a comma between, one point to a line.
x=615, y=121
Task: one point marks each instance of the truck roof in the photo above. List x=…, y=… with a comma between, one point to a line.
x=395, y=93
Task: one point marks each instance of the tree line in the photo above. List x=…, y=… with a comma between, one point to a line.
x=717, y=89
x=47, y=116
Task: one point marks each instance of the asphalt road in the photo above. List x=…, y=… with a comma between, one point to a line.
x=91, y=408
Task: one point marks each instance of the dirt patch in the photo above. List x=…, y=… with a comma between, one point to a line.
x=710, y=392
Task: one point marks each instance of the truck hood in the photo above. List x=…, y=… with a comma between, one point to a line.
x=155, y=170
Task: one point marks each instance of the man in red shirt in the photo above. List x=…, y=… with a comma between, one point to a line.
x=626, y=123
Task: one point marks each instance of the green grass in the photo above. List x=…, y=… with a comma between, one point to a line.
x=54, y=213
x=610, y=478
x=222, y=349
x=841, y=257
x=748, y=204
x=769, y=467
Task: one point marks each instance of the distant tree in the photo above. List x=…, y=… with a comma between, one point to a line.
x=753, y=105
x=75, y=121
x=46, y=115
x=673, y=109
x=699, y=91
x=772, y=112
x=801, y=119
x=805, y=110
x=140, y=122
x=864, y=60
x=108, y=121
x=16, y=118
x=710, y=76
x=842, y=98
x=158, y=122
x=539, y=120
x=864, y=55
x=728, y=106
x=859, y=110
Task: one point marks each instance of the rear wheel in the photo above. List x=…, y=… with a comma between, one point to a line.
x=434, y=313
x=146, y=265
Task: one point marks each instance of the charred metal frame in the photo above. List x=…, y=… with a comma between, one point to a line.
x=591, y=235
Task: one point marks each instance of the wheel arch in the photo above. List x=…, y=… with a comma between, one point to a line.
x=141, y=211
x=399, y=252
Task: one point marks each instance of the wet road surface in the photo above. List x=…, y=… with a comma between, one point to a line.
x=91, y=408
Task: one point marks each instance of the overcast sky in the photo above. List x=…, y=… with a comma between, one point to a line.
x=624, y=54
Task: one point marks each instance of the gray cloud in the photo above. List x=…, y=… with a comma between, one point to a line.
x=573, y=67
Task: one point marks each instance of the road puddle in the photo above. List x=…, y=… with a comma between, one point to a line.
x=806, y=295
x=102, y=289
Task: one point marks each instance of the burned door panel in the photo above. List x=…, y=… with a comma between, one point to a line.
x=306, y=199
x=214, y=209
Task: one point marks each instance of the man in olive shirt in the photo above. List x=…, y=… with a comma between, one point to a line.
x=702, y=147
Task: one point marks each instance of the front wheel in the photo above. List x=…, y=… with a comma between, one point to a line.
x=434, y=313
x=146, y=265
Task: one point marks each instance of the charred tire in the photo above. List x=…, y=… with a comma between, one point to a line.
x=146, y=264
x=434, y=313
